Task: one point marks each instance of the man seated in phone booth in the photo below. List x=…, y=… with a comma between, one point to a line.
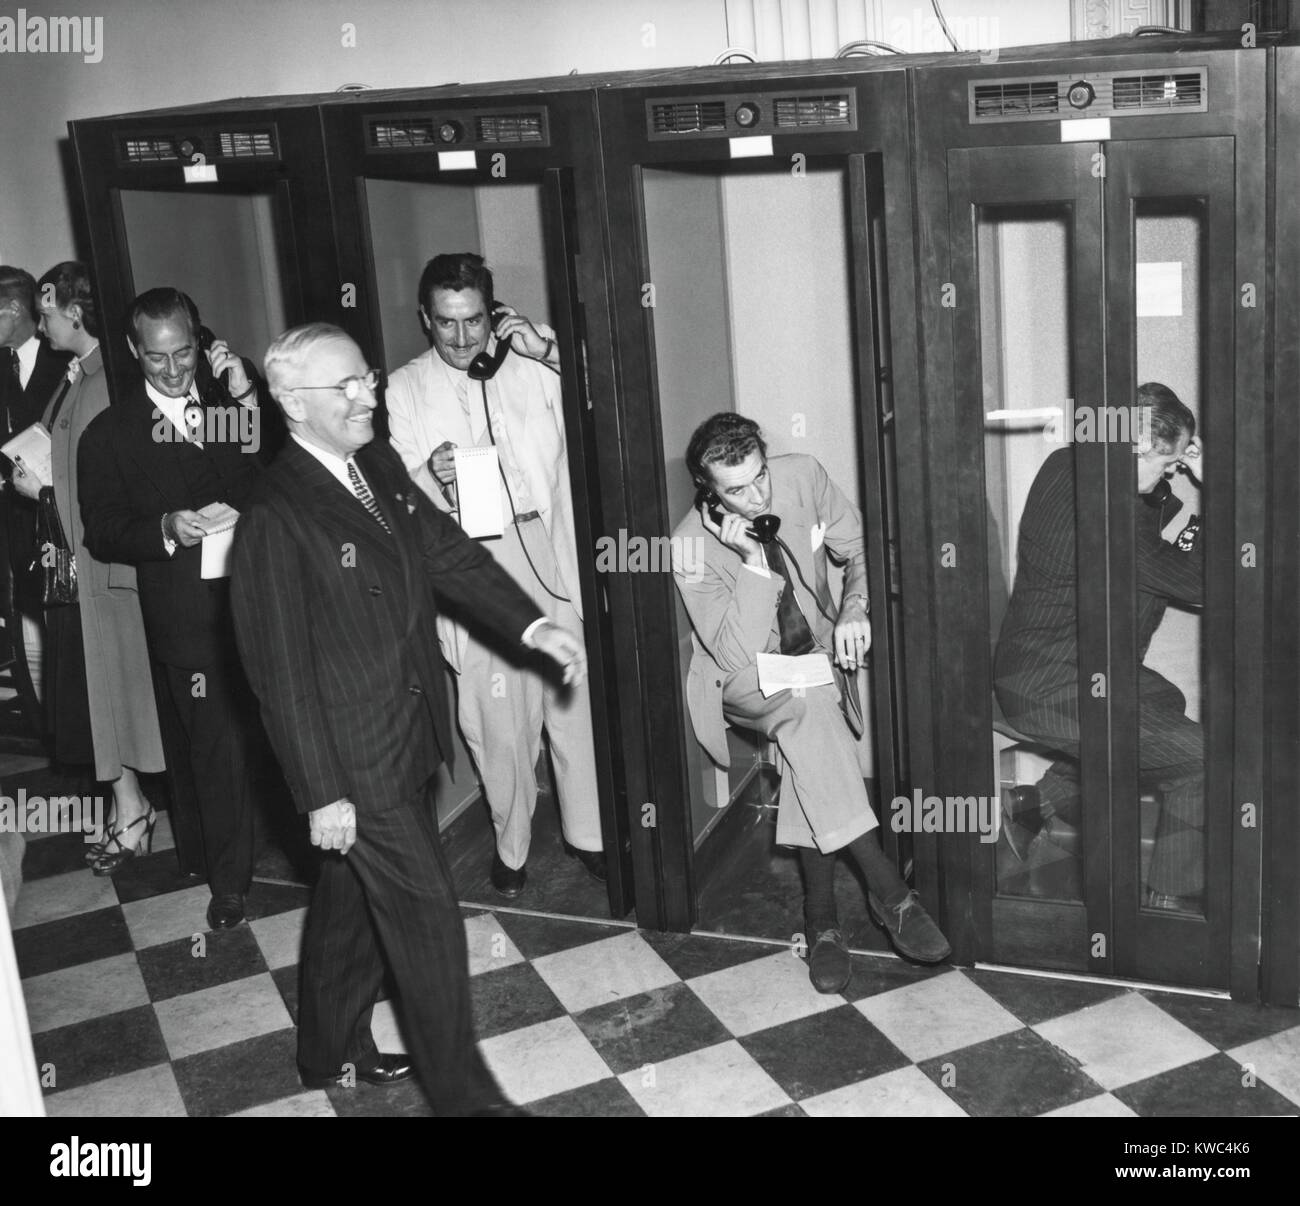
x=752, y=591
x=466, y=392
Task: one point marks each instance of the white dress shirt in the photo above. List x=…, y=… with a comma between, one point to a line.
x=27, y=360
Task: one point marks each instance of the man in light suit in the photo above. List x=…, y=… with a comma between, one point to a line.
x=30, y=372
x=336, y=563
x=504, y=703
x=746, y=597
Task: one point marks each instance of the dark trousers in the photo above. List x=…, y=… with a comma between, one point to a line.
x=1171, y=756
x=205, y=716
x=393, y=890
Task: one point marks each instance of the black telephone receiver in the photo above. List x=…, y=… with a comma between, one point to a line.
x=205, y=339
x=484, y=367
x=763, y=528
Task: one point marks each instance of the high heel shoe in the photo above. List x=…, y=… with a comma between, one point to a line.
x=115, y=854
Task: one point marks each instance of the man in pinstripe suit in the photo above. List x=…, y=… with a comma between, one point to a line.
x=336, y=563
x=1036, y=670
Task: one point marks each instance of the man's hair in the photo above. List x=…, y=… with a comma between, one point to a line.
x=71, y=281
x=158, y=304
x=18, y=284
x=722, y=439
x=291, y=350
x=1168, y=417
x=462, y=270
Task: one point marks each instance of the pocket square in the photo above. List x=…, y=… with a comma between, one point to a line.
x=818, y=535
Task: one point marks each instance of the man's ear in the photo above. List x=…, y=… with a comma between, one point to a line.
x=290, y=404
x=130, y=343
x=424, y=321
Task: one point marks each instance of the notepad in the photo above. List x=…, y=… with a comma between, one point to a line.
x=218, y=521
x=787, y=672
x=31, y=448
x=478, y=491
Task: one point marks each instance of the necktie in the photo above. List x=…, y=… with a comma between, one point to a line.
x=362, y=491
x=16, y=367
x=796, y=636
x=193, y=421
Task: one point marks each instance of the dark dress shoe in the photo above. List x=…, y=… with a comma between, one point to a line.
x=1022, y=814
x=386, y=1070
x=506, y=880
x=829, y=963
x=225, y=911
x=593, y=861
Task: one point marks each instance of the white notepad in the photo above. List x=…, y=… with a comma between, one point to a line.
x=478, y=491
x=31, y=448
x=787, y=672
x=219, y=521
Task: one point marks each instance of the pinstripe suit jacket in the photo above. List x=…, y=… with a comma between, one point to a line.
x=335, y=622
x=1038, y=649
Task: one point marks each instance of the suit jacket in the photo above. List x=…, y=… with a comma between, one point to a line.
x=1038, y=648
x=119, y=686
x=133, y=469
x=733, y=610
x=335, y=622
x=21, y=408
x=424, y=411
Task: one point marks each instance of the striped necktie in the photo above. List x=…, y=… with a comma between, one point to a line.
x=362, y=491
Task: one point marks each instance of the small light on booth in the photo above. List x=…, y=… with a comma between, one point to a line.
x=747, y=115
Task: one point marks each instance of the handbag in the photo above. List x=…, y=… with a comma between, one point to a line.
x=55, y=562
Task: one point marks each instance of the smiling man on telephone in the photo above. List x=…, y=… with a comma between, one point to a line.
x=489, y=386
x=754, y=593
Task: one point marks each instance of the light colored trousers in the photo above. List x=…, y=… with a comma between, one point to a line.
x=503, y=709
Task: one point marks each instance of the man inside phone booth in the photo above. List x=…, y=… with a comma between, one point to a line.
x=758, y=585
x=479, y=424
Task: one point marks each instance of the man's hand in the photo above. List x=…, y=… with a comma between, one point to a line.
x=563, y=648
x=852, y=634
x=442, y=463
x=528, y=340
x=25, y=483
x=222, y=359
x=334, y=827
x=733, y=531
x=184, y=527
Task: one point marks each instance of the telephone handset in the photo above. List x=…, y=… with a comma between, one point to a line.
x=205, y=339
x=484, y=367
x=763, y=528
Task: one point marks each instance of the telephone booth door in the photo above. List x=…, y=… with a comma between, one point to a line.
x=510, y=177
x=750, y=223
x=1097, y=225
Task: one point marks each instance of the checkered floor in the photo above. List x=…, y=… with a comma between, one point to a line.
x=137, y=1011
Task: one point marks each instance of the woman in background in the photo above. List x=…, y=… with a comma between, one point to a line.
x=98, y=689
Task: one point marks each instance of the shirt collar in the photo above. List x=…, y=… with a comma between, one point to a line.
x=27, y=356
x=337, y=465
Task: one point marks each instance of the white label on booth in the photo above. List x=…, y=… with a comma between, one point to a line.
x=752, y=146
x=1086, y=129
x=1160, y=290
x=457, y=161
x=200, y=173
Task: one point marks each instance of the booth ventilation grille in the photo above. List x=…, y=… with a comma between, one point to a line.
x=182, y=146
x=813, y=111
x=763, y=113
x=1114, y=94
x=459, y=130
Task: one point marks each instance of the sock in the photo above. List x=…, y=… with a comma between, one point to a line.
x=883, y=878
x=819, y=888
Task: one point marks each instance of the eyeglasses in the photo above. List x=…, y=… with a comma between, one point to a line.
x=350, y=387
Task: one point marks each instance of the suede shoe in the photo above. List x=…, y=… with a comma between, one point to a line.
x=911, y=931
x=506, y=880
x=829, y=964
